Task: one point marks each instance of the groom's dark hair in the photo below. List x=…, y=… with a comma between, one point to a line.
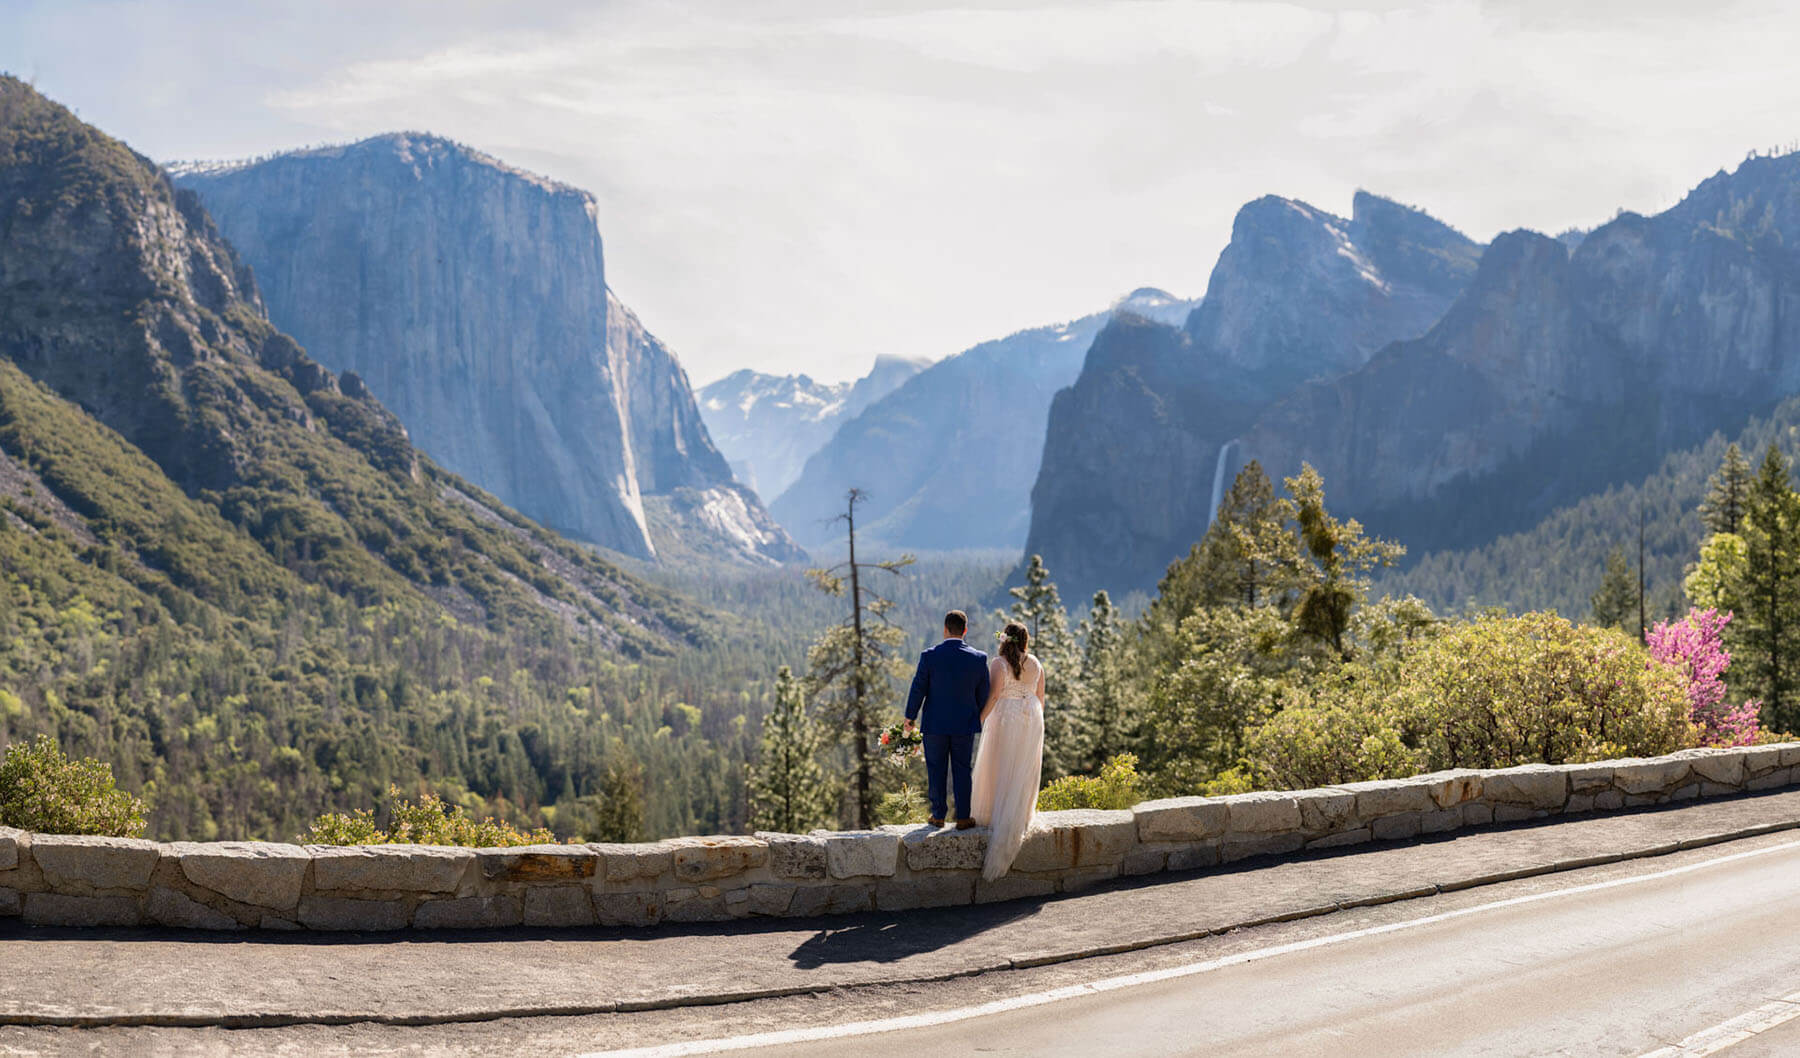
x=956, y=622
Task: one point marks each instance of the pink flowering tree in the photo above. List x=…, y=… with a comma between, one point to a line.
x=1695, y=646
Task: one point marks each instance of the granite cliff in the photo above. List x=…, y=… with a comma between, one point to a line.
x=472, y=299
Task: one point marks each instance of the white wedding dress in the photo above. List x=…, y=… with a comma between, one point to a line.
x=1008, y=762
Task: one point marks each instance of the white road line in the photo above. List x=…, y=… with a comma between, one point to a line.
x=789, y=1037
x=1773, y=1014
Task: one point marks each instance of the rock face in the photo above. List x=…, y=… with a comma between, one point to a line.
x=767, y=425
x=1565, y=369
x=1132, y=449
x=472, y=299
x=948, y=458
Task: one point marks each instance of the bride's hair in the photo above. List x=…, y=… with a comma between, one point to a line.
x=1014, y=640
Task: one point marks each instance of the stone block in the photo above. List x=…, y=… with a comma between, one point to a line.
x=1650, y=775
x=341, y=913
x=860, y=853
x=468, y=912
x=99, y=863
x=710, y=858
x=1790, y=753
x=276, y=922
x=1080, y=837
x=168, y=907
x=9, y=903
x=1444, y=819
x=1342, y=838
x=1194, y=857
x=558, y=905
x=1011, y=887
x=1144, y=861
x=10, y=842
x=1456, y=787
x=628, y=909
x=1396, y=827
x=1589, y=778
x=1534, y=785
x=262, y=873
x=770, y=899
x=832, y=900
x=1323, y=811
x=1509, y=813
x=795, y=855
x=1386, y=797
x=60, y=909
x=1580, y=802
x=944, y=850
x=1264, y=812
x=941, y=890
x=1609, y=801
x=389, y=868
x=547, y=864
x=1180, y=819
x=1690, y=792
x=639, y=862
x=1773, y=780
x=1084, y=878
x=1760, y=759
x=1714, y=789
x=1477, y=813
x=1236, y=848
x=1723, y=767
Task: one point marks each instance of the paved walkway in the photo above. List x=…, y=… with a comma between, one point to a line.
x=152, y=977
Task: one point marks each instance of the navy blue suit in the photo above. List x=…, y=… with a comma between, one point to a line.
x=950, y=686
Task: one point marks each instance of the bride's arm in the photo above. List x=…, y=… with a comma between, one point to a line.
x=1041, y=683
x=995, y=682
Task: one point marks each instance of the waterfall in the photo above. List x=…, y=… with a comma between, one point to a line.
x=1218, y=489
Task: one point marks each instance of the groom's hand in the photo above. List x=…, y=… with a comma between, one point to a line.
x=909, y=725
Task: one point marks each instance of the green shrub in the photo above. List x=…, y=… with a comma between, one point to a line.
x=1117, y=786
x=42, y=790
x=902, y=806
x=429, y=822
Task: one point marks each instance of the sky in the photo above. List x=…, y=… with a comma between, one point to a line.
x=802, y=185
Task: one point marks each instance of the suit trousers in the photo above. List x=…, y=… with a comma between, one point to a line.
x=953, y=754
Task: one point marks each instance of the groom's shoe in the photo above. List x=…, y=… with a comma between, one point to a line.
x=965, y=824
x=936, y=821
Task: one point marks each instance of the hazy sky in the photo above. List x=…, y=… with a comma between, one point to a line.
x=803, y=184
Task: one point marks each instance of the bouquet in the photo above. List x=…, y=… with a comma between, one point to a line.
x=901, y=743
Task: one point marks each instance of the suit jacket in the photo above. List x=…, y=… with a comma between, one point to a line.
x=951, y=686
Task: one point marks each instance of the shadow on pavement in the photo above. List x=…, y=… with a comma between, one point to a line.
x=883, y=938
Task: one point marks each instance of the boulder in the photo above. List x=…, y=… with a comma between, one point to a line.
x=705, y=859
x=389, y=868
x=469, y=912
x=794, y=855
x=538, y=863
x=1262, y=812
x=341, y=913
x=559, y=905
x=1180, y=819
x=251, y=872
x=99, y=863
x=928, y=849
x=860, y=853
x=170, y=908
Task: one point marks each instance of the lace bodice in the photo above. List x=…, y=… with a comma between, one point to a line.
x=1024, y=685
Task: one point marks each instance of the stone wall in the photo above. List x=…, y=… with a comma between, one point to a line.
x=85, y=881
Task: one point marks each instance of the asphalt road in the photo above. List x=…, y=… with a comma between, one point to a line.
x=1625, y=968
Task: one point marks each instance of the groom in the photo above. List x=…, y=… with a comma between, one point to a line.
x=951, y=685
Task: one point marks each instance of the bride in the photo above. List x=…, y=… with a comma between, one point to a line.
x=1012, y=749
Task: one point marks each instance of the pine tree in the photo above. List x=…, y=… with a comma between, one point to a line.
x=616, y=811
x=1616, y=600
x=1339, y=558
x=853, y=667
x=788, y=790
x=1104, y=717
x=1727, y=492
x=1769, y=635
x=1038, y=606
